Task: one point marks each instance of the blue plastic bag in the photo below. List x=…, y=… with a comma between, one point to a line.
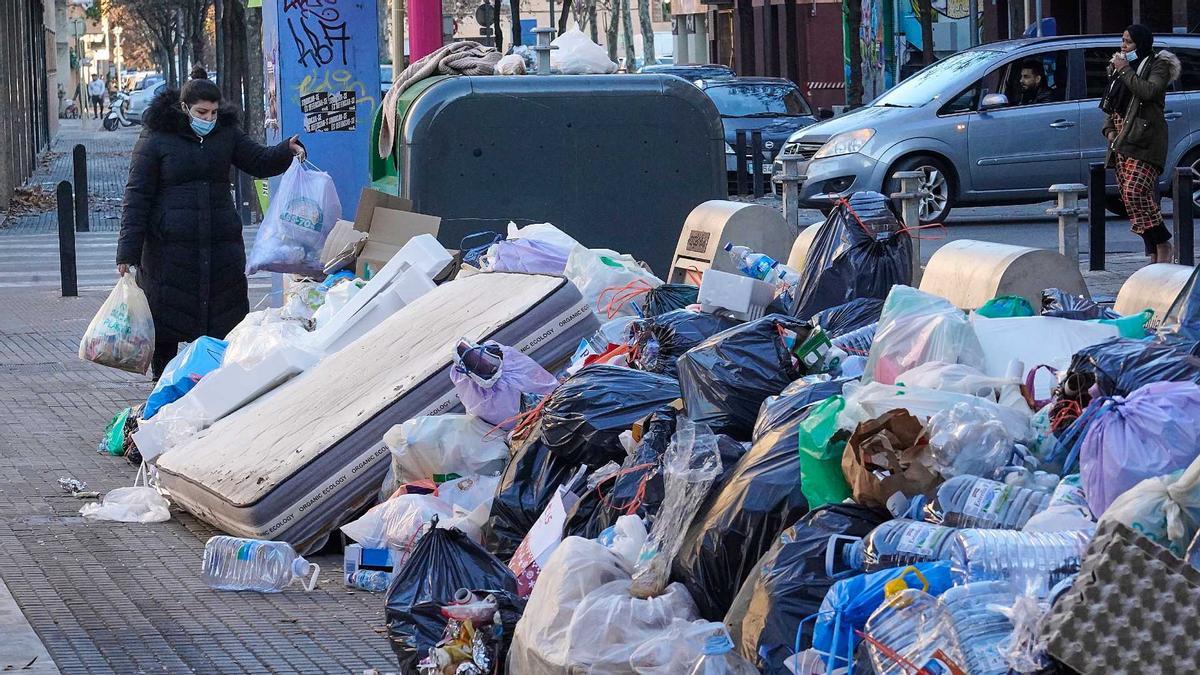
x=850, y=602
x=198, y=359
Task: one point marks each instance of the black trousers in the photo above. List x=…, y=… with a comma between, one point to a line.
x=163, y=353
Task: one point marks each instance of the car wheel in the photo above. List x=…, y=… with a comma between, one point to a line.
x=937, y=185
x=110, y=124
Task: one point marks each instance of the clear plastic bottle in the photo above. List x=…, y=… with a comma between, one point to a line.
x=970, y=501
x=376, y=581
x=912, y=625
x=857, y=341
x=1040, y=559
x=900, y=542
x=718, y=658
x=751, y=263
x=236, y=564
x=981, y=631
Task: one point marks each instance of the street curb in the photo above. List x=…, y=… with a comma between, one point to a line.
x=21, y=644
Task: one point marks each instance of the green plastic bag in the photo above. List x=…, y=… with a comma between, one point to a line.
x=1132, y=326
x=113, y=441
x=821, y=478
x=1005, y=307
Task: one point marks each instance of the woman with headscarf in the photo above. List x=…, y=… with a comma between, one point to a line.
x=1137, y=132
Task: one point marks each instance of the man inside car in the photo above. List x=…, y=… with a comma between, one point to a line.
x=1033, y=84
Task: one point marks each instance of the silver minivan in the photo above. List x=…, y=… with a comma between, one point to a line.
x=959, y=123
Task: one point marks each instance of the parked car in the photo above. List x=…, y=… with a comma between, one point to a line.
x=139, y=99
x=147, y=80
x=959, y=122
x=691, y=72
x=771, y=105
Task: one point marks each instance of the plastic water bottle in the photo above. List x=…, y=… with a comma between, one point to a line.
x=1044, y=558
x=236, y=564
x=751, y=263
x=981, y=631
x=718, y=658
x=914, y=625
x=900, y=542
x=376, y=581
x=857, y=342
x=970, y=501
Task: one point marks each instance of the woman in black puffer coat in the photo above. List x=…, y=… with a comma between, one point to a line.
x=178, y=223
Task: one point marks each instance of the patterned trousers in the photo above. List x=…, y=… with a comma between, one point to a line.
x=1138, y=182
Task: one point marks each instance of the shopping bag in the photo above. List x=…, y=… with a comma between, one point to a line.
x=121, y=335
x=298, y=220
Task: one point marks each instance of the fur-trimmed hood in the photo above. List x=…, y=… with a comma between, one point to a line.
x=164, y=114
x=1173, y=65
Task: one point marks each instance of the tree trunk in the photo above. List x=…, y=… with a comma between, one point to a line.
x=610, y=31
x=647, y=31
x=592, y=22
x=565, y=17
x=627, y=34
x=514, y=7
x=254, y=79
x=497, y=33
x=383, y=12
x=853, y=23
x=926, y=11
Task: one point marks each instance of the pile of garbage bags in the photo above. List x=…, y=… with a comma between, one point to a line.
x=868, y=478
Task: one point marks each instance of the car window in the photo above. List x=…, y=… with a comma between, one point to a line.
x=160, y=88
x=929, y=84
x=749, y=100
x=970, y=97
x=1189, y=79
x=1095, y=70
x=1054, y=65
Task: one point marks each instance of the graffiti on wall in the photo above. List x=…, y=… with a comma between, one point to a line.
x=318, y=30
x=870, y=39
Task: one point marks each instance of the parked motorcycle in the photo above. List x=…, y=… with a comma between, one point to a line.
x=115, y=118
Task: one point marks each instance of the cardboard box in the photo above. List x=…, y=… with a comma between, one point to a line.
x=389, y=223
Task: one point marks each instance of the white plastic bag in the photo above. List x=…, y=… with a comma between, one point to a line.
x=399, y=523
x=121, y=335
x=578, y=55
x=915, y=328
x=681, y=647
x=576, y=568
x=866, y=402
x=1036, y=341
x=438, y=446
x=129, y=505
x=543, y=232
x=1165, y=509
x=959, y=378
x=625, y=538
x=335, y=299
x=301, y=215
x=612, y=623
x=261, y=333
x=511, y=64
x=601, y=275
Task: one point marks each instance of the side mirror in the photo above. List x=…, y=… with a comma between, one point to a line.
x=824, y=113
x=993, y=101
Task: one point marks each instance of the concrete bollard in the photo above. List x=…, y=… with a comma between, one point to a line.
x=790, y=180
x=910, y=194
x=969, y=273
x=1152, y=287
x=1068, y=212
x=543, y=48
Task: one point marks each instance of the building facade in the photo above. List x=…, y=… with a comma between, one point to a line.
x=27, y=66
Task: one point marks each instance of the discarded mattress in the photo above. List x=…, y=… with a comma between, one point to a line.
x=304, y=458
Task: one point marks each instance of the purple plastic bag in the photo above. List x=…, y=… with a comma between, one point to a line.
x=1152, y=432
x=532, y=256
x=497, y=399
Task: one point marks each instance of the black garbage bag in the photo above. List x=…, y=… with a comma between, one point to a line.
x=861, y=251
x=1059, y=303
x=658, y=341
x=1120, y=366
x=579, y=426
x=789, y=582
x=670, y=297
x=727, y=377
x=1183, y=317
x=443, y=562
x=758, y=500
x=781, y=415
x=837, y=321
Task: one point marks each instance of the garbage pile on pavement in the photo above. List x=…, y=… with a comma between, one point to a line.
x=858, y=477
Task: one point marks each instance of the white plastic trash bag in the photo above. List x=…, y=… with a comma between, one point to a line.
x=915, y=328
x=611, y=624
x=679, y=648
x=603, y=276
x=260, y=334
x=578, y=55
x=963, y=379
x=1036, y=341
x=866, y=402
x=121, y=335
x=1165, y=509
x=400, y=522
x=129, y=505
x=335, y=299
x=301, y=215
x=545, y=233
x=437, y=447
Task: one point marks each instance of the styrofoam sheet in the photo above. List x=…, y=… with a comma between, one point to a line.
x=1035, y=341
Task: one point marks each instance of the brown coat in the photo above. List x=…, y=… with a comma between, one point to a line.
x=1144, y=135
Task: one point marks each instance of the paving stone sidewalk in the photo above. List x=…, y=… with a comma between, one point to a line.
x=127, y=598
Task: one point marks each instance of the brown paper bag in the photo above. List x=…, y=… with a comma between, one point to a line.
x=887, y=461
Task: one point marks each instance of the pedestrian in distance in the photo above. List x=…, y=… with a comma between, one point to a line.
x=1136, y=129
x=179, y=225
x=96, y=90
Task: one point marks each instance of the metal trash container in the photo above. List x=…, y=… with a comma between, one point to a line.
x=616, y=161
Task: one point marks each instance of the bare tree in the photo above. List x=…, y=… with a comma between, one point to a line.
x=627, y=34
x=592, y=22
x=610, y=31
x=852, y=14
x=925, y=9
x=647, y=30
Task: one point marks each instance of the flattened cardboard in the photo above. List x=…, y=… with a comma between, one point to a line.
x=369, y=199
x=390, y=231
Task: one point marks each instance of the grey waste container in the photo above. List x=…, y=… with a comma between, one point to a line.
x=616, y=161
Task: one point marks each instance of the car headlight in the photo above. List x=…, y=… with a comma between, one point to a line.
x=728, y=149
x=846, y=143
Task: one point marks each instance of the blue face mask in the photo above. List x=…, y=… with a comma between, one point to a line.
x=202, y=127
